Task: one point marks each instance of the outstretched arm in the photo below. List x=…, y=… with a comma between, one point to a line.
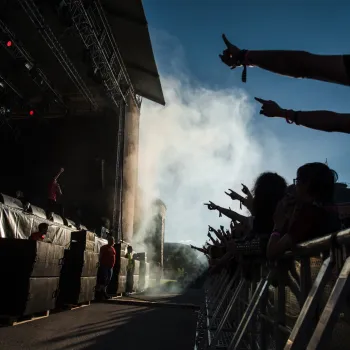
x=302, y=64
x=297, y=64
x=58, y=174
x=319, y=120
x=233, y=215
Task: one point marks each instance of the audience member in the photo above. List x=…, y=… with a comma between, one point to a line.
x=319, y=120
x=306, y=216
x=246, y=201
x=296, y=64
x=268, y=190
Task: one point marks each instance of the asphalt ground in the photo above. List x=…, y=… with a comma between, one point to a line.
x=110, y=325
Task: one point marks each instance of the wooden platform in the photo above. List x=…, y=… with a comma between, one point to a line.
x=15, y=321
x=74, y=307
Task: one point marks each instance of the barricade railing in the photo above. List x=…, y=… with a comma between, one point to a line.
x=297, y=303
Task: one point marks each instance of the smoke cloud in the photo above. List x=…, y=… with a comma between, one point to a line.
x=195, y=148
x=203, y=142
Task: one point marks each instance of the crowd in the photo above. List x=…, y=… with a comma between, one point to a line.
x=282, y=215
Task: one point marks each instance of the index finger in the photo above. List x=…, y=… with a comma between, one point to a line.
x=227, y=43
x=260, y=100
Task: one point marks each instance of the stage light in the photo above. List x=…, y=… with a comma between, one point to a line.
x=28, y=65
x=31, y=112
x=9, y=43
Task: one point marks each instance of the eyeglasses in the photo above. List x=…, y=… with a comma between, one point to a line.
x=296, y=181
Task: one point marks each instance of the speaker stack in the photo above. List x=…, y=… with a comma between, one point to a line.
x=136, y=278
x=29, y=272
x=118, y=281
x=121, y=284
x=79, y=271
x=143, y=271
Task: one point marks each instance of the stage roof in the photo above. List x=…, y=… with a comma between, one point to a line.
x=128, y=22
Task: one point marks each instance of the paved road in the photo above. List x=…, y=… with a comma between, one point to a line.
x=106, y=326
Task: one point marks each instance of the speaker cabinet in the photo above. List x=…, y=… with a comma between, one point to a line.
x=136, y=267
x=74, y=291
x=81, y=263
x=32, y=258
x=28, y=296
x=121, y=286
x=123, y=266
x=84, y=240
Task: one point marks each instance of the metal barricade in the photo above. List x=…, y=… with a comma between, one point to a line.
x=297, y=304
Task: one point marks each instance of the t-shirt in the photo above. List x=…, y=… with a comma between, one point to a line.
x=53, y=189
x=347, y=66
x=107, y=256
x=37, y=236
x=313, y=221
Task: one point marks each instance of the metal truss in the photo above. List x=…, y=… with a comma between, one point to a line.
x=35, y=16
x=18, y=52
x=97, y=37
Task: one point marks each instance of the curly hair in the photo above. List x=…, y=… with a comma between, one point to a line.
x=268, y=190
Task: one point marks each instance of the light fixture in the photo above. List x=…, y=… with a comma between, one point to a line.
x=9, y=43
x=29, y=66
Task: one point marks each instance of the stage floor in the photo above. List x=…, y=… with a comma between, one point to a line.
x=111, y=325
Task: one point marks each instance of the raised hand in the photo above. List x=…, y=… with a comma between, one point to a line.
x=245, y=189
x=230, y=55
x=269, y=108
x=211, y=205
x=233, y=195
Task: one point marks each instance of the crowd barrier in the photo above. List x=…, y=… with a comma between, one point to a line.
x=300, y=302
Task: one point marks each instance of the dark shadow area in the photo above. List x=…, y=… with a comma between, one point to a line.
x=190, y=296
x=104, y=326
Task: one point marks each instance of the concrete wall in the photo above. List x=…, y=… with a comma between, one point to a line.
x=154, y=239
x=130, y=169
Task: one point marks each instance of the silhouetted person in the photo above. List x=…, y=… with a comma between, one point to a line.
x=41, y=233
x=54, y=192
x=296, y=64
x=130, y=270
x=107, y=262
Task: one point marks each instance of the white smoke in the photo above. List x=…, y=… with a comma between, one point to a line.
x=203, y=142
x=195, y=148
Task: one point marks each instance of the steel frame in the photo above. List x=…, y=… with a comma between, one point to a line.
x=97, y=37
x=18, y=52
x=35, y=16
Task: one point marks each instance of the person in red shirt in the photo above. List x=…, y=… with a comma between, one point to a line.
x=41, y=233
x=107, y=262
x=54, y=191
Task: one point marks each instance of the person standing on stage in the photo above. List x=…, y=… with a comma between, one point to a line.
x=54, y=191
x=41, y=233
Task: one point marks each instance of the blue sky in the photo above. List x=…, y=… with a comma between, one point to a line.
x=188, y=32
x=312, y=25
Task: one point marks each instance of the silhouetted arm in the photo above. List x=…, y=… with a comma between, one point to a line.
x=322, y=120
x=302, y=64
